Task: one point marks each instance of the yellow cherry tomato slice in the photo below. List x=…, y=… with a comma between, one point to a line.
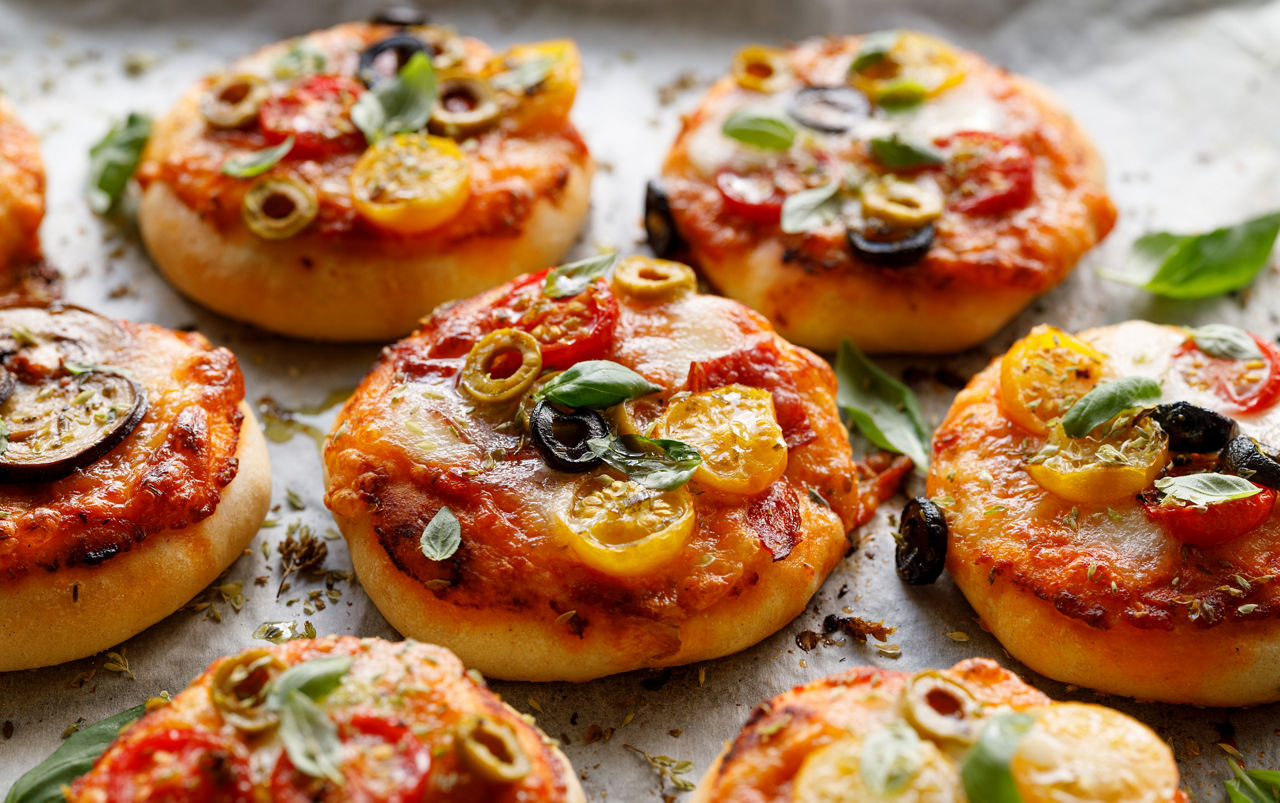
x=736, y=431
x=835, y=774
x=538, y=82
x=1044, y=373
x=1078, y=752
x=621, y=527
x=411, y=183
x=918, y=66
x=1114, y=461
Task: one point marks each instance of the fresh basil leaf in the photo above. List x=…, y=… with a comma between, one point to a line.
x=891, y=758
x=574, y=277
x=43, y=783
x=114, y=159
x=883, y=409
x=901, y=94
x=524, y=76
x=303, y=58
x=1225, y=341
x=656, y=463
x=899, y=153
x=596, y=384
x=875, y=47
x=810, y=209
x=258, y=162
x=314, y=678
x=1202, y=490
x=442, y=536
x=1108, y=400
x=310, y=737
x=1190, y=266
x=985, y=771
x=762, y=130
x=398, y=106
x=1252, y=786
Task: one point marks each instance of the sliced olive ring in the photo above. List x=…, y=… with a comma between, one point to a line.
x=761, y=69
x=1247, y=458
x=659, y=224
x=900, y=204
x=941, y=708
x=490, y=749
x=239, y=689
x=895, y=253
x=37, y=342
x=402, y=45
x=921, y=542
x=1194, y=429
x=654, y=279
x=830, y=109
x=8, y=383
x=561, y=436
x=233, y=100
x=465, y=106
x=277, y=207
x=402, y=15
x=501, y=346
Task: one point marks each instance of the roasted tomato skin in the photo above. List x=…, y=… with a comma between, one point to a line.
x=992, y=174
x=1220, y=375
x=570, y=329
x=751, y=197
x=1212, y=525
x=317, y=113
x=181, y=765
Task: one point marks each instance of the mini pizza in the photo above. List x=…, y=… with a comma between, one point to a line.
x=1110, y=500
x=577, y=474
x=24, y=275
x=974, y=732
x=342, y=184
x=333, y=719
x=131, y=474
x=889, y=188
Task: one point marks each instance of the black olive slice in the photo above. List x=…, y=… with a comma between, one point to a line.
x=39, y=341
x=922, y=542
x=561, y=437
x=1245, y=457
x=1194, y=429
x=831, y=109
x=402, y=15
x=7, y=385
x=905, y=250
x=64, y=423
x=372, y=70
x=659, y=224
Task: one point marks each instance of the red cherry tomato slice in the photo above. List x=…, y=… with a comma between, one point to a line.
x=382, y=761
x=754, y=197
x=570, y=329
x=1248, y=385
x=317, y=113
x=1215, y=524
x=180, y=765
x=991, y=174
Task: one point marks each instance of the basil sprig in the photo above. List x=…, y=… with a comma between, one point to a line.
x=810, y=209
x=258, y=162
x=760, y=129
x=442, y=536
x=1190, y=266
x=1252, y=786
x=883, y=409
x=113, y=160
x=891, y=757
x=524, y=76
x=308, y=735
x=401, y=105
x=596, y=384
x=43, y=783
x=656, y=463
x=900, y=153
x=1225, y=341
x=985, y=771
x=875, y=48
x=1108, y=400
x=1202, y=490
x=573, y=277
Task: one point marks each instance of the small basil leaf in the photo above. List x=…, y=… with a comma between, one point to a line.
x=114, y=159
x=901, y=94
x=525, y=76
x=574, y=277
x=442, y=536
x=1108, y=400
x=314, y=679
x=310, y=737
x=891, y=758
x=1253, y=786
x=985, y=772
x=596, y=384
x=1202, y=490
x=883, y=409
x=43, y=783
x=303, y=58
x=258, y=162
x=875, y=47
x=398, y=106
x=898, y=153
x=656, y=463
x=760, y=129
x=810, y=209
x=1227, y=342
x=1191, y=266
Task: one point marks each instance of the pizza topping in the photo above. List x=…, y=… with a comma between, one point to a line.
x=915, y=67
x=892, y=763
x=547, y=76
x=760, y=129
x=257, y=162
x=501, y=367
x=921, y=551
x=442, y=536
x=1245, y=457
x=1044, y=374
x=279, y=207
x=489, y=748
x=1194, y=429
x=654, y=280
x=829, y=109
x=775, y=517
x=900, y=204
x=1207, y=509
x=941, y=708
x=623, y=528
x=659, y=224
x=1228, y=342
x=658, y=463
x=736, y=432
x=239, y=689
x=753, y=196
x=812, y=209
x=570, y=329
x=572, y=278
x=382, y=61
x=466, y=106
x=1250, y=385
x=1112, y=462
x=402, y=105
x=180, y=764
x=891, y=247
x=597, y=384
x=234, y=100
x=986, y=772
x=380, y=760
x=561, y=436
x=761, y=69
x=990, y=174
x=1108, y=400
x=411, y=183
x=897, y=152
x=317, y=113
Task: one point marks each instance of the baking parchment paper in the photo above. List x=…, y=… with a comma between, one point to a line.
x=1180, y=96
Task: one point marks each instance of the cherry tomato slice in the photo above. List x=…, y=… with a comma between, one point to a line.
x=180, y=765
x=991, y=174
x=1249, y=385
x=1214, y=524
x=317, y=113
x=754, y=197
x=570, y=329
x=1044, y=373
x=381, y=761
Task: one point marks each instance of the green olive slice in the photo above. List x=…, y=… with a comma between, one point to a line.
x=239, y=689
x=233, y=100
x=465, y=106
x=490, y=749
x=940, y=708
x=42, y=341
x=502, y=366
x=654, y=279
x=276, y=208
